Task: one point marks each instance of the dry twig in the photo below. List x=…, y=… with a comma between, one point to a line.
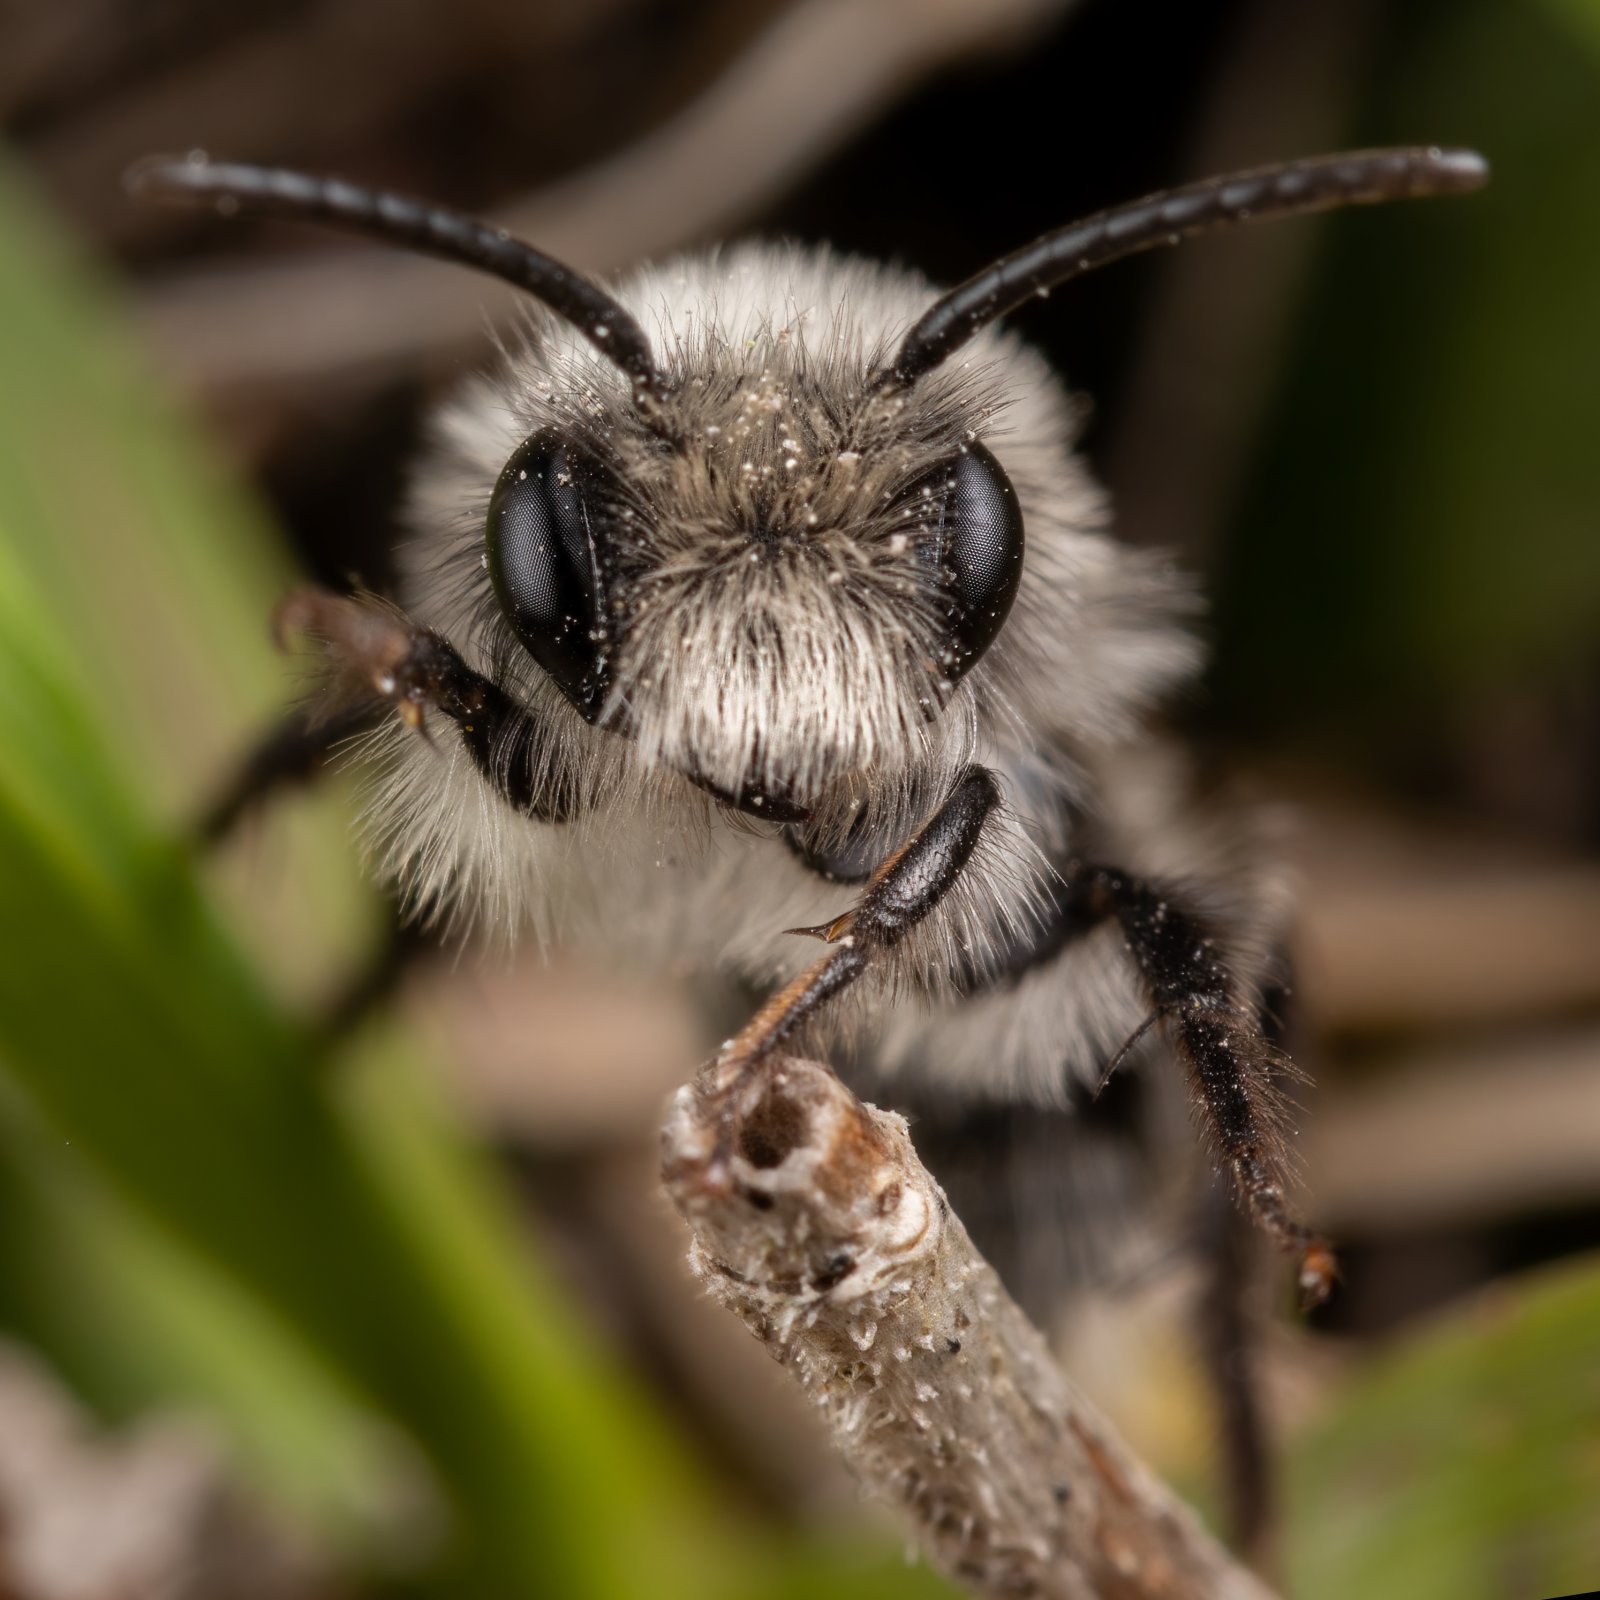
x=826, y=1235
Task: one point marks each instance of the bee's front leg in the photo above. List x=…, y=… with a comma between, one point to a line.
x=376, y=653
x=900, y=893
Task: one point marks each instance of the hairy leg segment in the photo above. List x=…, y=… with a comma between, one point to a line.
x=375, y=653
x=1216, y=1029
x=1230, y=1325
x=899, y=894
x=1236, y=1070
x=1209, y=1016
x=377, y=659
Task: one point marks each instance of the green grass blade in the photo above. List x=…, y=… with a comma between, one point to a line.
x=304, y=1245
x=1465, y=1464
x=133, y=591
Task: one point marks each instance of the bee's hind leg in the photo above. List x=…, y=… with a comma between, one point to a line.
x=1230, y=1327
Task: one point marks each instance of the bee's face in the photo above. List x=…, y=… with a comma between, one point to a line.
x=783, y=590
x=760, y=537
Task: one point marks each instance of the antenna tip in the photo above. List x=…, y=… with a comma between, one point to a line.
x=174, y=179
x=1458, y=171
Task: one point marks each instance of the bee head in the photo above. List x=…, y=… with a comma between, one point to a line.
x=770, y=560
x=777, y=584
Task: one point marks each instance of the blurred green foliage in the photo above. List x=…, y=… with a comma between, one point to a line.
x=1465, y=1463
x=200, y=1205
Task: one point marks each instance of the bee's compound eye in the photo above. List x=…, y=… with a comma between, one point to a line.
x=979, y=552
x=545, y=562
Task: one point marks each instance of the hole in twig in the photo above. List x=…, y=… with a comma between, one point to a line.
x=834, y=1270
x=771, y=1131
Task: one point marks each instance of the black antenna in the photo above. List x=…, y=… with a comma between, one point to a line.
x=397, y=219
x=1290, y=189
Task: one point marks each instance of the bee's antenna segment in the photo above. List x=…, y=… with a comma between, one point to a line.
x=1289, y=189
x=233, y=187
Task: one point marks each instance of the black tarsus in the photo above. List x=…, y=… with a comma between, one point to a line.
x=1234, y=1065
x=374, y=983
x=912, y=882
x=291, y=753
x=1230, y=1349
x=1210, y=1019
x=901, y=893
x=1288, y=189
x=509, y=747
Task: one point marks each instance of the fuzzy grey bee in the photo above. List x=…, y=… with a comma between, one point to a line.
x=769, y=579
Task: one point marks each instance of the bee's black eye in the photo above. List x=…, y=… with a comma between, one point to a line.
x=545, y=562
x=973, y=527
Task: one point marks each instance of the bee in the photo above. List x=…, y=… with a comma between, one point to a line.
x=764, y=594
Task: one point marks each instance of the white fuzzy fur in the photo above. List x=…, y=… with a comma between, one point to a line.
x=802, y=666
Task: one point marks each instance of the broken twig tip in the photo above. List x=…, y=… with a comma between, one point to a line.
x=835, y=1246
